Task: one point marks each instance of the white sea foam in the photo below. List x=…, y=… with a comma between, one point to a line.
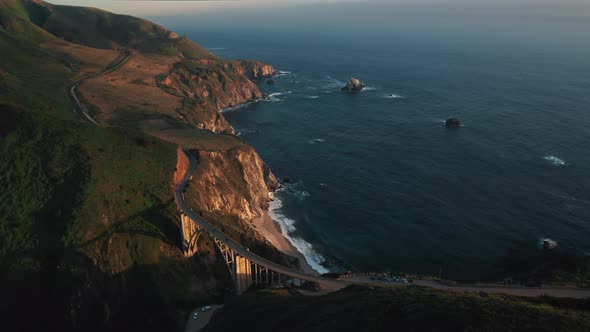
x=554, y=160
x=369, y=88
x=333, y=83
x=229, y=109
x=274, y=97
x=550, y=242
x=287, y=226
x=300, y=194
x=394, y=96
x=243, y=132
x=281, y=73
x=316, y=141
x=312, y=97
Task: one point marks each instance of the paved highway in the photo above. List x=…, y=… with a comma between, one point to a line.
x=72, y=90
x=325, y=283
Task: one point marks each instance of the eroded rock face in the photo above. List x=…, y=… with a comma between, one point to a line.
x=453, y=122
x=353, y=85
x=210, y=86
x=234, y=182
x=255, y=69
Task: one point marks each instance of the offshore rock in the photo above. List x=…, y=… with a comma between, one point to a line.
x=453, y=122
x=353, y=85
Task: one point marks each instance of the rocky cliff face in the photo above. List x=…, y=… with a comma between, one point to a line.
x=255, y=69
x=232, y=183
x=210, y=85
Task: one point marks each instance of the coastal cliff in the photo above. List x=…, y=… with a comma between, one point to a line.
x=232, y=183
x=94, y=231
x=255, y=69
x=211, y=85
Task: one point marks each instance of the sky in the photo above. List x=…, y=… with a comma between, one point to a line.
x=151, y=8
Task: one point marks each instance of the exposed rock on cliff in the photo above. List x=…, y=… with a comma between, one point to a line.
x=234, y=183
x=255, y=69
x=353, y=85
x=209, y=86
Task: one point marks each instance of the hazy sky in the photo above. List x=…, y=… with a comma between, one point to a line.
x=172, y=7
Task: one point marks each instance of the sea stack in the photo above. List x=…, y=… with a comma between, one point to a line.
x=453, y=122
x=353, y=85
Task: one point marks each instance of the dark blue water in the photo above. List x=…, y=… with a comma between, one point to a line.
x=381, y=184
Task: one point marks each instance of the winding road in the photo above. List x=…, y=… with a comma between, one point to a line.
x=73, y=88
x=326, y=284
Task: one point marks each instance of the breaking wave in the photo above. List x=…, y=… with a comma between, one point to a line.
x=394, y=96
x=235, y=108
x=554, y=160
x=281, y=73
x=274, y=97
x=316, y=141
x=333, y=83
x=243, y=132
x=551, y=244
x=287, y=225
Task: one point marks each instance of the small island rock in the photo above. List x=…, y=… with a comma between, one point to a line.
x=453, y=122
x=270, y=81
x=353, y=85
x=287, y=179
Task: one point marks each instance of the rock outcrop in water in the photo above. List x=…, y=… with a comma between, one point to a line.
x=453, y=122
x=353, y=85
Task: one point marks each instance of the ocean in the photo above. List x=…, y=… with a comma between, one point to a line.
x=379, y=182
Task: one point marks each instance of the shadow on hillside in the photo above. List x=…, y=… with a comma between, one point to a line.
x=81, y=297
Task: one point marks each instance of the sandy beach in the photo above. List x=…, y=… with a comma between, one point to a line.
x=271, y=231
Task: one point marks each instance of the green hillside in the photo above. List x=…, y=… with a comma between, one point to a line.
x=399, y=309
x=88, y=234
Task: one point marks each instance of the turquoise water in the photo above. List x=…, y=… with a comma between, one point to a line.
x=381, y=184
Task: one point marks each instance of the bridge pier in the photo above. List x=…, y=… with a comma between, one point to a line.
x=243, y=271
x=243, y=274
x=191, y=231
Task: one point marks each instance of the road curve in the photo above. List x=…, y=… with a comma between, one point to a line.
x=335, y=284
x=325, y=283
x=72, y=89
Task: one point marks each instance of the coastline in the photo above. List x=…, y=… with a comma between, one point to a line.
x=270, y=230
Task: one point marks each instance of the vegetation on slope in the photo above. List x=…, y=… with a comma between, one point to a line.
x=399, y=309
x=88, y=233
x=100, y=29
